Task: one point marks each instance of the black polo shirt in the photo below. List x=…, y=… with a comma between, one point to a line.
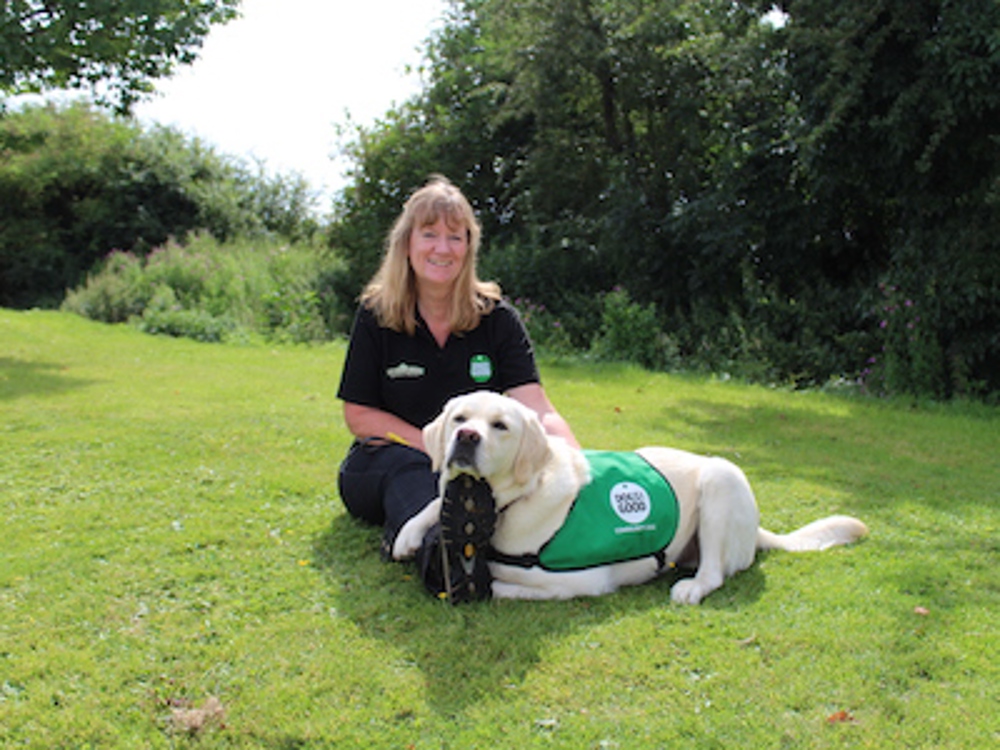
x=412, y=377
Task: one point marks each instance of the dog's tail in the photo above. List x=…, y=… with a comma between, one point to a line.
x=818, y=535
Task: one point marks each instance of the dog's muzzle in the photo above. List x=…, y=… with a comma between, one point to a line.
x=464, y=450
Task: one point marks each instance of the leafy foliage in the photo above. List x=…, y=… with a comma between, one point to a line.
x=630, y=333
x=120, y=45
x=901, y=156
x=213, y=292
x=76, y=184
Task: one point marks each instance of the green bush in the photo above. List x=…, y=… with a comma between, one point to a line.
x=631, y=332
x=210, y=291
x=164, y=315
x=114, y=295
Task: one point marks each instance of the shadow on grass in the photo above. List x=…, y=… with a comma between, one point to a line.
x=19, y=378
x=475, y=652
x=865, y=457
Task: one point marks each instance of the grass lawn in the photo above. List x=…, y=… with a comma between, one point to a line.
x=177, y=571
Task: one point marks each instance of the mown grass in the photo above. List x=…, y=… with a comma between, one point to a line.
x=173, y=533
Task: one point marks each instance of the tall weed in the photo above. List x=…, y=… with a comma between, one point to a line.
x=212, y=291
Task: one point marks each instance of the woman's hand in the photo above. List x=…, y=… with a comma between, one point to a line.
x=369, y=422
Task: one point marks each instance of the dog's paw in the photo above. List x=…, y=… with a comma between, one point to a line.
x=407, y=542
x=689, y=591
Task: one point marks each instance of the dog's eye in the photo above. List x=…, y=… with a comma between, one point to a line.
x=460, y=419
x=500, y=426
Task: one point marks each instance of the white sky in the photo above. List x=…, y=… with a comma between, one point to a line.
x=274, y=84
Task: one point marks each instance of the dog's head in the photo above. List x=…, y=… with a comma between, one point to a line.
x=489, y=436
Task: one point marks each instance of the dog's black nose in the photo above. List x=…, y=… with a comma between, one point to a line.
x=463, y=452
x=468, y=437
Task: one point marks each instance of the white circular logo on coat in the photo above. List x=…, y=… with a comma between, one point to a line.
x=631, y=502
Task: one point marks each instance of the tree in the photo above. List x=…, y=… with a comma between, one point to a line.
x=899, y=153
x=580, y=130
x=122, y=45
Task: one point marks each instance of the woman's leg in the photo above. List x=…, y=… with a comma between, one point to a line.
x=386, y=485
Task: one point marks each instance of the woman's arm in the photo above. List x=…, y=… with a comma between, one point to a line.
x=367, y=421
x=534, y=397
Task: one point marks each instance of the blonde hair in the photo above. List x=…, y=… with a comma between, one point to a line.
x=392, y=292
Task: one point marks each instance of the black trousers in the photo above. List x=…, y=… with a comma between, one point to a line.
x=386, y=484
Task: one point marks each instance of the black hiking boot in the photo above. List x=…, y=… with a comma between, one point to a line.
x=468, y=517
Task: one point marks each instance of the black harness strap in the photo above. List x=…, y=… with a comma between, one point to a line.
x=520, y=561
x=661, y=560
x=532, y=560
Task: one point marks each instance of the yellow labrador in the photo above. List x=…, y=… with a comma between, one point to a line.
x=536, y=478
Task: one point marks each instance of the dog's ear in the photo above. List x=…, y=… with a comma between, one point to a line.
x=434, y=438
x=534, y=451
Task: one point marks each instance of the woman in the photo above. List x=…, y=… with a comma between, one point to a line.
x=428, y=329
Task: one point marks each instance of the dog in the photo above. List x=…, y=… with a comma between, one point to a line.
x=536, y=479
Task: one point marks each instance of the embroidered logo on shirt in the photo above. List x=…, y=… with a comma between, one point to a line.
x=404, y=370
x=480, y=368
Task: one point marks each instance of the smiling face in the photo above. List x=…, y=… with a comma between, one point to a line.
x=437, y=254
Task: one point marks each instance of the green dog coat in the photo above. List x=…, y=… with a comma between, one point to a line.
x=628, y=510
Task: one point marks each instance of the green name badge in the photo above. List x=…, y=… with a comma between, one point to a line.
x=480, y=368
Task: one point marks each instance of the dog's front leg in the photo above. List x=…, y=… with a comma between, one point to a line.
x=411, y=536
